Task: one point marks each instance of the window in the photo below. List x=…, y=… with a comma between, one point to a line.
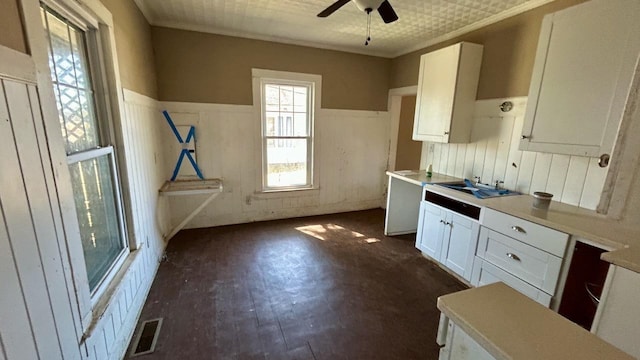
x=86, y=136
x=287, y=134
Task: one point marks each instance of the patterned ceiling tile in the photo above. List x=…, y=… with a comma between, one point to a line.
x=420, y=21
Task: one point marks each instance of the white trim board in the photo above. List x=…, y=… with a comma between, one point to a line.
x=394, y=104
x=17, y=66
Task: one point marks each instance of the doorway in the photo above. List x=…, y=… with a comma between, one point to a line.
x=408, y=151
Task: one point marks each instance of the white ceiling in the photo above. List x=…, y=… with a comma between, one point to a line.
x=421, y=22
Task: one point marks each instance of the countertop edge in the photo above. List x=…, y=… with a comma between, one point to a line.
x=456, y=307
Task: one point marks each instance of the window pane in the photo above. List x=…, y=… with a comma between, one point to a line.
x=97, y=215
x=271, y=123
x=70, y=75
x=300, y=99
x=300, y=124
x=286, y=162
x=79, y=58
x=64, y=72
x=286, y=98
x=272, y=97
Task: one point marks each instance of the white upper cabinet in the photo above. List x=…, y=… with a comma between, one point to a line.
x=581, y=79
x=447, y=87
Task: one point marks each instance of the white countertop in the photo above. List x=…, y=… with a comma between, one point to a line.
x=420, y=178
x=579, y=222
x=509, y=325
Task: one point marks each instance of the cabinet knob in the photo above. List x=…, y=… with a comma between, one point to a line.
x=446, y=133
x=524, y=137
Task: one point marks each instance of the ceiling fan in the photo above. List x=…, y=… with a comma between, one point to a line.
x=384, y=8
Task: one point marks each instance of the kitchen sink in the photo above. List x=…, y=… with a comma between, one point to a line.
x=480, y=191
x=459, y=186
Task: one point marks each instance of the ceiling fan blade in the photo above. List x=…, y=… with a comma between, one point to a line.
x=333, y=7
x=387, y=13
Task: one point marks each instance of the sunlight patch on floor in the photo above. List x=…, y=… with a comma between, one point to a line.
x=324, y=232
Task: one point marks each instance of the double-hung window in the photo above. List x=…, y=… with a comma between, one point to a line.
x=287, y=114
x=76, y=73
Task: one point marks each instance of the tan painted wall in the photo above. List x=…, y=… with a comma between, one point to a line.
x=509, y=53
x=133, y=44
x=11, y=34
x=408, y=151
x=199, y=67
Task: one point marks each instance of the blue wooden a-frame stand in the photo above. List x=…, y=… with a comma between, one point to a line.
x=185, y=150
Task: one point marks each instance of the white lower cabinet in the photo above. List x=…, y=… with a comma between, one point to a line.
x=485, y=273
x=458, y=345
x=448, y=238
x=619, y=311
x=430, y=230
x=525, y=256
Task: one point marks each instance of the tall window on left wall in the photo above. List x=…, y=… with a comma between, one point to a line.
x=84, y=126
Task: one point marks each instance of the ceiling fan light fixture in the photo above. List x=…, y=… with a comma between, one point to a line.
x=363, y=5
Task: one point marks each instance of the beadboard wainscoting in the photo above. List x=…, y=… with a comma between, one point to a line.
x=39, y=306
x=149, y=221
x=351, y=150
x=493, y=155
x=39, y=315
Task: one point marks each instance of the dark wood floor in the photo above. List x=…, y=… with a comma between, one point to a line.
x=324, y=287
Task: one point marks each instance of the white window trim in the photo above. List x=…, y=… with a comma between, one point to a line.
x=260, y=76
x=94, y=14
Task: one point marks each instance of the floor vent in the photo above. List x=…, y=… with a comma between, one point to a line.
x=146, y=338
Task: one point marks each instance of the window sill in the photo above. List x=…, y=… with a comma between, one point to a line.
x=103, y=300
x=271, y=194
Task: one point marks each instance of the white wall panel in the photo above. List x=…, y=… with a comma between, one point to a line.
x=20, y=187
x=37, y=302
x=493, y=155
x=351, y=149
x=143, y=146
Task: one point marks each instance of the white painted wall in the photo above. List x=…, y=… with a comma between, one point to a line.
x=493, y=151
x=39, y=313
x=36, y=318
x=143, y=146
x=351, y=150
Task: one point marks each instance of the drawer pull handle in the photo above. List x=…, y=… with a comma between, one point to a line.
x=513, y=256
x=518, y=229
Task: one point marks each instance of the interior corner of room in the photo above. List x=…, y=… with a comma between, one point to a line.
x=283, y=185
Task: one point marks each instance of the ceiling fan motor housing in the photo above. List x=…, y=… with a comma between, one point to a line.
x=363, y=5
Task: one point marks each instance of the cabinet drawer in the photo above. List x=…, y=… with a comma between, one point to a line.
x=484, y=273
x=541, y=237
x=536, y=267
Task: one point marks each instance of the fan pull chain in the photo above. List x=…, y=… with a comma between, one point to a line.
x=368, y=27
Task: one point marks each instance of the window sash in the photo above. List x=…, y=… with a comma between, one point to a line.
x=282, y=119
x=119, y=259
x=93, y=80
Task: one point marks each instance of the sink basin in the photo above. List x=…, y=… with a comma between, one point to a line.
x=480, y=191
x=459, y=186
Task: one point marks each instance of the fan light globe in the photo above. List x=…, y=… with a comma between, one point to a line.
x=368, y=4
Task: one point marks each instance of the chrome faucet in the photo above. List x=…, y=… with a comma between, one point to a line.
x=498, y=183
x=477, y=178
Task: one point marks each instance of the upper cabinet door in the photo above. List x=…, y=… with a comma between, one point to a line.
x=447, y=86
x=581, y=79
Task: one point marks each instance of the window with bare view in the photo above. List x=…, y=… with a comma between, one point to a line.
x=287, y=136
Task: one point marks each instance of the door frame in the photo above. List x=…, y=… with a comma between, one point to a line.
x=394, y=105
